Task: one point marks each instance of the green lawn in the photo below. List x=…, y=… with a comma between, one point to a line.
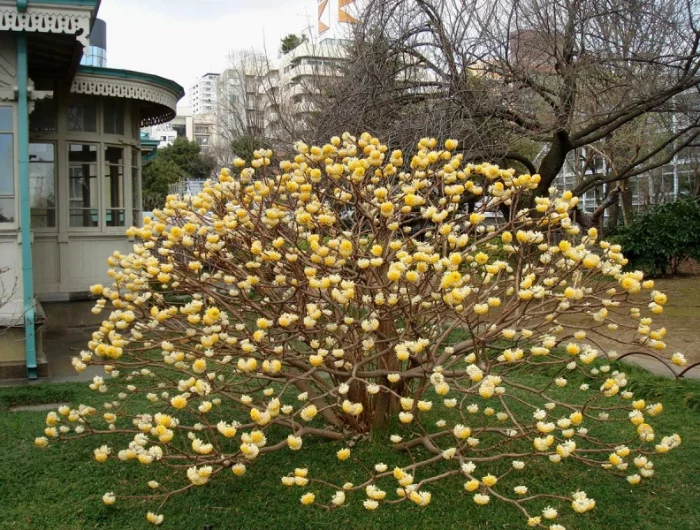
x=61, y=487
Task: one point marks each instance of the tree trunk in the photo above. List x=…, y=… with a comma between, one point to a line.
x=553, y=161
x=627, y=205
x=382, y=406
x=613, y=217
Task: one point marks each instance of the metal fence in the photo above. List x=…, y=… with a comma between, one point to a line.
x=186, y=187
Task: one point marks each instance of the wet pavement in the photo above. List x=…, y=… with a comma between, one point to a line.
x=60, y=346
x=69, y=327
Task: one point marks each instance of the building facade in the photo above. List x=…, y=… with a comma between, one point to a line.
x=677, y=179
x=181, y=126
x=203, y=94
x=70, y=164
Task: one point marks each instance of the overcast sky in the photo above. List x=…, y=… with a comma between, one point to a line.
x=184, y=39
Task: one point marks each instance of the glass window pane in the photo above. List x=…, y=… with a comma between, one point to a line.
x=82, y=114
x=41, y=152
x=115, y=218
x=136, y=186
x=135, y=123
x=83, y=218
x=43, y=118
x=113, y=116
x=6, y=119
x=7, y=165
x=114, y=177
x=83, y=186
x=43, y=217
x=7, y=209
x=42, y=188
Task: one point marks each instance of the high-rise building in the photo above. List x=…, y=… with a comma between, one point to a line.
x=203, y=94
x=302, y=73
x=257, y=94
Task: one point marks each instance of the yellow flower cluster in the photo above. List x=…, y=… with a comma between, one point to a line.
x=323, y=295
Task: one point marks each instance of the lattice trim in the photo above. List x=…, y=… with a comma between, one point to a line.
x=116, y=88
x=47, y=22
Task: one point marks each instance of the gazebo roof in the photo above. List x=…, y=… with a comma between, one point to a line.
x=159, y=96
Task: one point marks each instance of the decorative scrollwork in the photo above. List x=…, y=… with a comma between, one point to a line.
x=105, y=86
x=47, y=21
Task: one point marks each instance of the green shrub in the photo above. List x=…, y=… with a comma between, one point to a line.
x=663, y=238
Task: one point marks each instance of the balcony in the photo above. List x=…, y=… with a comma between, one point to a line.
x=311, y=70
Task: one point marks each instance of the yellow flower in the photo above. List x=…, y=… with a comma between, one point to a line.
x=471, y=485
x=199, y=366
x=481, y=258
x=370, y=504
x=154, y=519
x=294, y=442
x=481, y=309
x=375, y=493
x=387, y=209
x=655, y=409
x=109, y=498
x=461, y=432
x=489, y=480
x=343, y=454
x=573, y=349
x=425, y=406
x=309, y=412
x=659, y=297
x=316, y=360
x=179, y=402
x=451, y=145
x=481, y=499
x=308, y=498
x=102, y=453
x=615, y=459
x=678, y=359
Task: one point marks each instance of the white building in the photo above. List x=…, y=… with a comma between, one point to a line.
x=245, y=91
x=181, y=126
x=203, y=94
x=302, y=73
x=267, y=98
x=678, y=179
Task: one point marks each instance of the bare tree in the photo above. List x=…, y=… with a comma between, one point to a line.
x=527, y=81
x=242, y=104
x=268, y=103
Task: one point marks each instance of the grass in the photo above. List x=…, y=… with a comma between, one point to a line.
x=60, y=487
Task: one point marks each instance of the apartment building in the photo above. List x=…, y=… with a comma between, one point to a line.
x=203, y=94
x=181, y=126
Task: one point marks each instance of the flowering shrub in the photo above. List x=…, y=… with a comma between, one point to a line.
x=350, y=290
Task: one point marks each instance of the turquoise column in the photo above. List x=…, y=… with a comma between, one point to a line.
x=24, y=209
